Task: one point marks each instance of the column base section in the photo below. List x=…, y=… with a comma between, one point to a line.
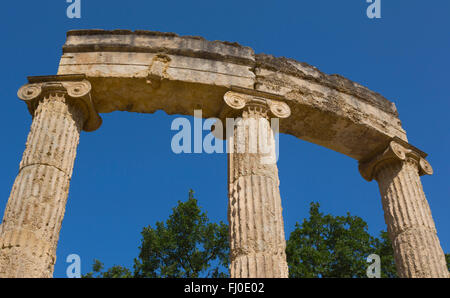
x=259, y=265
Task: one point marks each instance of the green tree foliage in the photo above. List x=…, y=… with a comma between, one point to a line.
x=447, y=257
x=186, y=245
x=113, y=272
x=335, y=246
x=383, y=247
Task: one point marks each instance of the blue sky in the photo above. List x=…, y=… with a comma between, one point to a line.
x=126, y=176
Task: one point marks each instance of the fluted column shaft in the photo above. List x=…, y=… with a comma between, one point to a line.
x=410, y=225
x=37, y=202
x=32, y=220
x=257, y=247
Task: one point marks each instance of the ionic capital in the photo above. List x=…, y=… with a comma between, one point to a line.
x=397, y=151
x=74, y=87
x=267, y=105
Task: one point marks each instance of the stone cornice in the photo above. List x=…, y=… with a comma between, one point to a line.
x=74, y=86
x=333, y=81
x=98, y=40
x=397, y=150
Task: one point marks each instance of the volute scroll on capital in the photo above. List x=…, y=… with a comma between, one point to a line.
x=397, y=150
x=74, y=86
x=238, y=101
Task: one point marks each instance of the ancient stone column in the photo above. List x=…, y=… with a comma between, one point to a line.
x=61, y=107
x=411, y=228
x=254, y=212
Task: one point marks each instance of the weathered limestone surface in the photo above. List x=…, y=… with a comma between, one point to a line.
x=145, y=71
x=255, y=214
x=411, y=228
x=32, y=220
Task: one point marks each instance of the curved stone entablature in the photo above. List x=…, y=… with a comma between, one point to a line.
x=145, y=71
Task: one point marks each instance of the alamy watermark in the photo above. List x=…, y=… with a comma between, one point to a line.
x=250, y=135
x=374, y=269
x=74, y=269
x=374, y=9
x=74, y=9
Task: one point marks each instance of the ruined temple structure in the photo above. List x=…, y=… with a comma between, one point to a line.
x=142, y=71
